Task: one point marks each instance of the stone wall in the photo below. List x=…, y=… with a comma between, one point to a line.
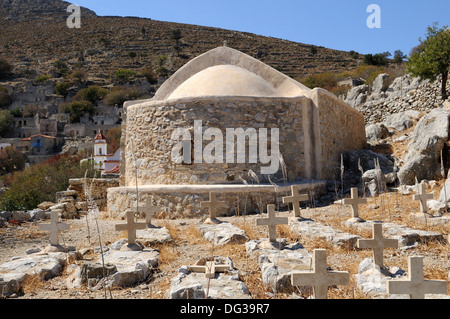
x=98, y=187
x=341, y=129
x=150, y=125
x=181, y=201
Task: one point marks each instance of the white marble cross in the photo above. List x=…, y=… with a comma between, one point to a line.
x=148, y=210
x=54, y=227
x=272, y=221
x=212, y=205
x=320, y=278
x=295, y=199
x=131, y=227
x=415, y=286
x=209, y=269
x=377, y=244
x=355, y=201
x=422, y=196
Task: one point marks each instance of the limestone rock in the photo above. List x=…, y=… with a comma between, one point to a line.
x=375, y=132
x=192, y=285
x=402, y=120
x=381, y=83
x=371, y=279
x=428, y=140
x=222, y=233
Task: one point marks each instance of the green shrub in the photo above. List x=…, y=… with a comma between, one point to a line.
x=61, y=67
x=79, y=76
x=62, y=89
x=5, y=97
x=324, y=80
x=76, y=109
x=93, y=94
x=11, y=159
x=40, y=182
x=150, y=75
x=6, y=121
x=124, y=76
x=16, y=112
x=42, y=78
x=379, y=59
x=5, y=69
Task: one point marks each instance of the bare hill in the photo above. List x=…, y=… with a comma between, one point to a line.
x=40, y=37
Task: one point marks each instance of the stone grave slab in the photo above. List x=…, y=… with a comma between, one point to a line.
x=372, y=279
x=277, y=265
x=192, y=282
x=222, y=233
x=133, y=265
x=429, y=220
x=153, y=235
x=45, y=265
x=314, y=229
x=406, y=236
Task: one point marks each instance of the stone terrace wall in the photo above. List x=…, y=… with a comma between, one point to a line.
x=151, y=125
x=342, y=129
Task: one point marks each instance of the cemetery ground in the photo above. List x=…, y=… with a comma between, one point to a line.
x=188, y=246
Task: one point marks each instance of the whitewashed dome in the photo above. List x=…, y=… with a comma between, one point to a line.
x=224, y=80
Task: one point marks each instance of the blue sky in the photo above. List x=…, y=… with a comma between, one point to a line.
x=340, y=25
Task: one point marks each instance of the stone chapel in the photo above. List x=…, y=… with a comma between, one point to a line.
x=227, y=89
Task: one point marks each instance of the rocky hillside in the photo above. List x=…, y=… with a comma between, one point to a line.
x=32, y=41
x=22, y=10
x=386, y=97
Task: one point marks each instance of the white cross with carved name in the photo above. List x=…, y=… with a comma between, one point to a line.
x=212, y=205
x=354, y=201
x=209, y=269
x=415, y=286
x=131, y=227
x=272, y=221
x=295, y=199
x=320, y=278
x=377, y=244
x=422, y=196
x=54, y=227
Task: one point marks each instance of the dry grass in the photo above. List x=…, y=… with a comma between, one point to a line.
x=33, y=283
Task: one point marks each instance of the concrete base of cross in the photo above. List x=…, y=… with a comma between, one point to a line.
x=57, y=249
x=298, y=219
x=212, y=221
x=266, y=244
x=355, y=220
x=132, y=247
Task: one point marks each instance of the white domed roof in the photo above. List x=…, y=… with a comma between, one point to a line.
x=224, y=80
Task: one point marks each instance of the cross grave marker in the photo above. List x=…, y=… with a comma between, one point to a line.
x=295, y=199
x=54, y=227
x=320, y=278
x=377, y=244
x=212, y=205
x=415, y=286
x=148, y=210
x=272, y=221
x=422, y=196
x=354, y=201
x=209, y=269
x=131, y=227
